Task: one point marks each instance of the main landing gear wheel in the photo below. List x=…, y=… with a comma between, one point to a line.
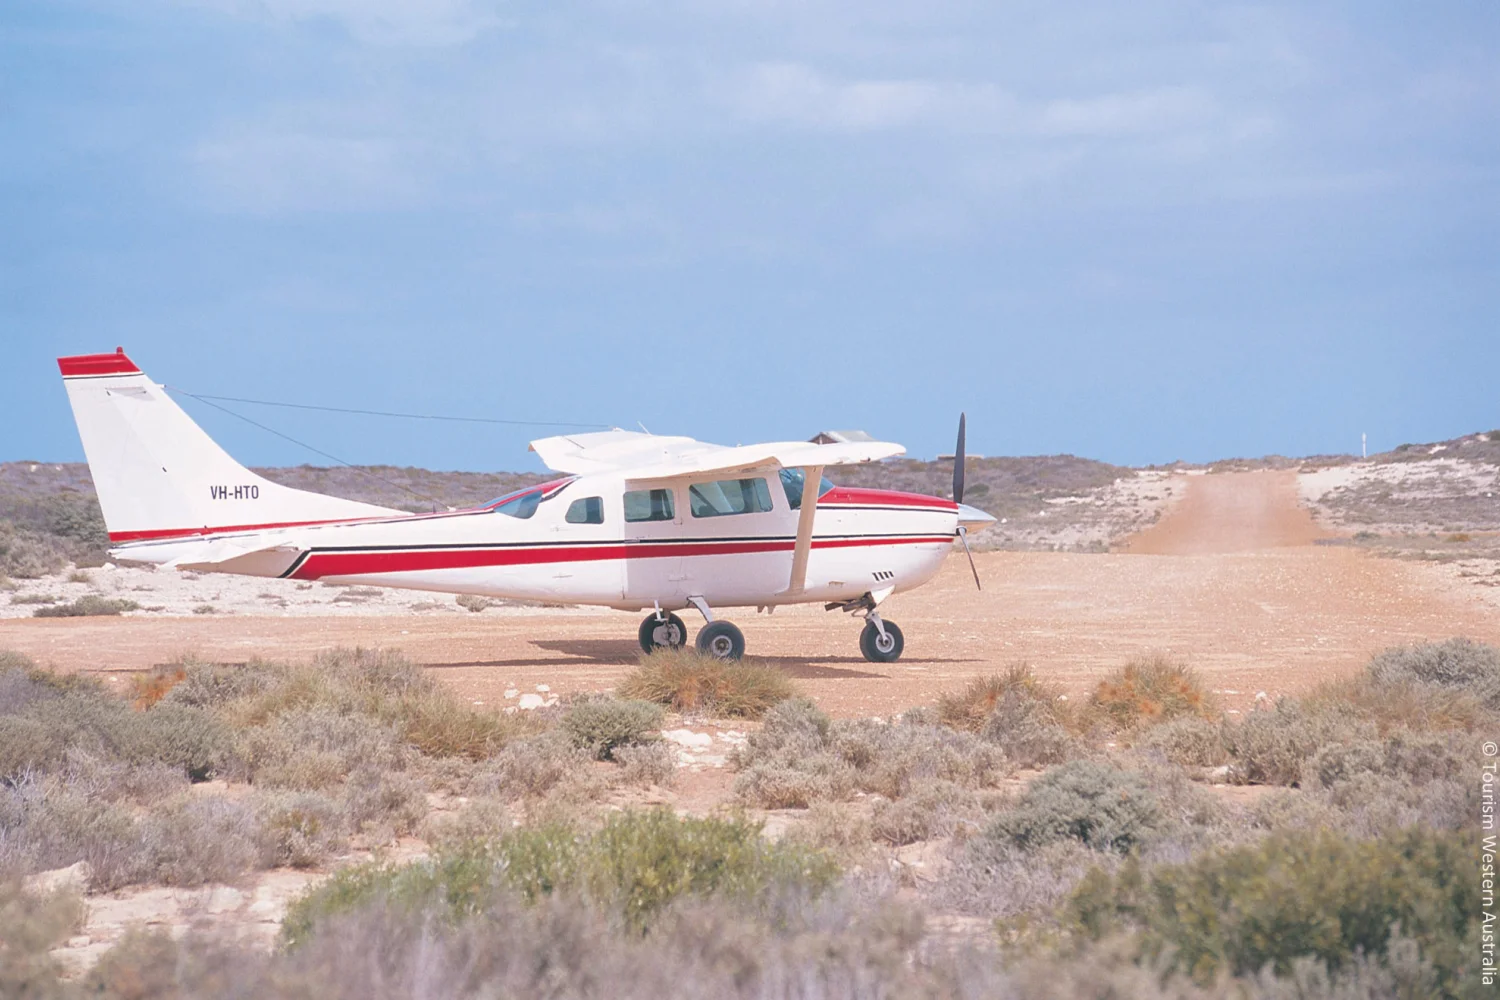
x=663, y=634
x=881, y=648
x=722, y=640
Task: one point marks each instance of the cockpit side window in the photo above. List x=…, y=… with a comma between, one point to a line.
x=523, y=503
x=585, y=510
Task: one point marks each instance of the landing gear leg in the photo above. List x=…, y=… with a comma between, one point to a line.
x=717, y=637
x=662, y=630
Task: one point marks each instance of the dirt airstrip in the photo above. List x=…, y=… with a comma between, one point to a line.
x=1233, y=580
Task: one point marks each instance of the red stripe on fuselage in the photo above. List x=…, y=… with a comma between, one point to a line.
x=886, y=498
x=161, y=534
x=321, y=564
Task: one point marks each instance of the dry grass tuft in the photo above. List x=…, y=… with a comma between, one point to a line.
x=685, y=681
x=970, y=708
x=151, y=687
x=1150, y=690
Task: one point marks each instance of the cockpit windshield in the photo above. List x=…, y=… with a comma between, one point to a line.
x=794, y=481
x=524, y=502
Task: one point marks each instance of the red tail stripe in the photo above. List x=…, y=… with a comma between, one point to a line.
x=98, y=364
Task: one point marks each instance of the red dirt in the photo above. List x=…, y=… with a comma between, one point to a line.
x=1228, y=581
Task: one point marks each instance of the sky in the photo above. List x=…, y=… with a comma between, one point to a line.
x=1135, y=232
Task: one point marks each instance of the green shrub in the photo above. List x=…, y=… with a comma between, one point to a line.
x=1103, y=807
x=1189, y=741
x=88, y=605
x=1292, y=895
x=1270, y=746
x=185, y=738
x=686, y=681
x=637, y=864
x=599, y=725
x=214, y=685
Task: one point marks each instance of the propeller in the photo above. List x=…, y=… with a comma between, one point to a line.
x=958, y=497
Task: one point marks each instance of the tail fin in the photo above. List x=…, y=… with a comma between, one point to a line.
x=158, y=475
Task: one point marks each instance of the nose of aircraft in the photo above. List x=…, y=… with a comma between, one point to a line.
x=973, y=518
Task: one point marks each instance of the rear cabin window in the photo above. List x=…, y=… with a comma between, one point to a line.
x=649, y=505
x=729, y=496
x=585, y=510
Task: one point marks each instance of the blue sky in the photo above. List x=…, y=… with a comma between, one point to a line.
x=1137, y=232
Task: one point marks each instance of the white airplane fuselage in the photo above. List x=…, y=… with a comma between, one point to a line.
x=863, y=541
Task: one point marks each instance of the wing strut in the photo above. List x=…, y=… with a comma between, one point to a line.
x=812, y=479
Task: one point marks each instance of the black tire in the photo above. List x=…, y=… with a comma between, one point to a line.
x=722, y=640
x=670, y=634
x=876, y=651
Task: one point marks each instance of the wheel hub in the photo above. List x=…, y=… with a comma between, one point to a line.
x=721, y=645
x=666, y=634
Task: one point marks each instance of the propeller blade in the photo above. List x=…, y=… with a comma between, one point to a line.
x=963, y=536
x=958, y=464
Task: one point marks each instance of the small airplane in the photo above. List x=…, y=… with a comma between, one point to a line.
x=637, y=521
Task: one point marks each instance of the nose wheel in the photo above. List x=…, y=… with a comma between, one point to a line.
x=881, y=641
x=664, y=632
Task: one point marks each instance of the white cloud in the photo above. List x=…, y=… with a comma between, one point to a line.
x=380, y=22
x=796, y=94
x=265, y=169
x=1128, y=113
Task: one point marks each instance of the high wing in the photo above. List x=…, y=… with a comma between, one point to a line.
x=638, y=456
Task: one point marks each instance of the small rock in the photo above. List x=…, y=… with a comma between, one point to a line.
x=530, y=701
x=688, y=739
x=543, y=688
x=511, y=692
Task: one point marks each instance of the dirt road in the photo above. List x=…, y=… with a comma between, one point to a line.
x=1228, y=581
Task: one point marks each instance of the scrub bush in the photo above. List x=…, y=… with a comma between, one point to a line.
x=1189, y=741
x=1295, y=894
x=298, y=829
x=933, y=810
x=686, y=681
x=1026, y=730
x=529, y=769
x=1100, y=806
x=1457, y=664
x=647, y=764
x=599, y=725
x=89, y=605
x=27, y=555
x=636, y=864
x=1271, y=746
x=800, y=755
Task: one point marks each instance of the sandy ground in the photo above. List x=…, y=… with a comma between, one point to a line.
x=1228, y=580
